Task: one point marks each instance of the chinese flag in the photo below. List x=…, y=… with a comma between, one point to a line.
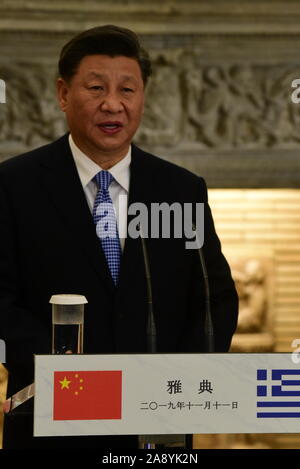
x=87, y=395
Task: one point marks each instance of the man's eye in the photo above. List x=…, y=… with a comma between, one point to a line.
x=128, y=90
x=97, y=88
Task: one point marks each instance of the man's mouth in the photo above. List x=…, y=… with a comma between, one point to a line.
x=110, y=127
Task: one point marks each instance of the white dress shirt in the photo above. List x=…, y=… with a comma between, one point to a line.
x=87, y=170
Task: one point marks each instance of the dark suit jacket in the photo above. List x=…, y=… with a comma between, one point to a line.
x=49, y=246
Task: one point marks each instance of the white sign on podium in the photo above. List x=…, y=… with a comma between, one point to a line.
x=166, y=394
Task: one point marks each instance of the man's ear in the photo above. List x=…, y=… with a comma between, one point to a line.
x=62, y=90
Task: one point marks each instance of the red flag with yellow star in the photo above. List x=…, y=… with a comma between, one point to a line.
x=87, y=395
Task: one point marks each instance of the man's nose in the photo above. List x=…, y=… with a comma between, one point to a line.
x=111, y=103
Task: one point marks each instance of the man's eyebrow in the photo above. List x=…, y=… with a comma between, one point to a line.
x=95, y=75
x=129, y=78
x=103, y=76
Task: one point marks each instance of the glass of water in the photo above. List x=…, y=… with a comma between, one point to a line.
x=67, y=323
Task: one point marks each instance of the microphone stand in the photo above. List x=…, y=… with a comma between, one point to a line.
x=151, y=326
x=208, y=324
x=153, y=441
x=144, y=441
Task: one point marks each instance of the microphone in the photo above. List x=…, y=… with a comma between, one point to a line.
x=151, y=327
x=208, y=324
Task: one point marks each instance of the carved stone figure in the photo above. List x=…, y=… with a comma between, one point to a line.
x=161, y=122
x=206, y=106
x=253, y=279
x=251, y=289
x=30, y=116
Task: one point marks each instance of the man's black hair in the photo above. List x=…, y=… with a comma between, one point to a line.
x=108, y=40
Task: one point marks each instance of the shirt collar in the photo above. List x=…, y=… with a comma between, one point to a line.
x=87, y=168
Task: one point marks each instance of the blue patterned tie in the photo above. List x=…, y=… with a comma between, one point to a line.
x=106, y=224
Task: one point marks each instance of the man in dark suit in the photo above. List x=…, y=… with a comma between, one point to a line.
x=49, y=244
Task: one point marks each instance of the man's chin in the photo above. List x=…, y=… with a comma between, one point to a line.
x=112, y=148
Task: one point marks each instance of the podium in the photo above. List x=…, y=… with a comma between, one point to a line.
x=166, y=394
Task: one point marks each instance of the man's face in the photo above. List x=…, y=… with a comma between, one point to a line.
x=104, y=103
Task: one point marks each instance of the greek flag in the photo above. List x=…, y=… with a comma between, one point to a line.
x=279, y=393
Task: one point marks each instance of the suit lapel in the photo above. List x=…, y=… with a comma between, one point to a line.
x=62, y=182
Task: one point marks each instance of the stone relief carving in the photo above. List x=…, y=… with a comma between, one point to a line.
x=31, y=116
x=224, y=106
x=239, y=106
x=163, y=108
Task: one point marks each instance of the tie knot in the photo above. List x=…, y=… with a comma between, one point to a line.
x=103, y=178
